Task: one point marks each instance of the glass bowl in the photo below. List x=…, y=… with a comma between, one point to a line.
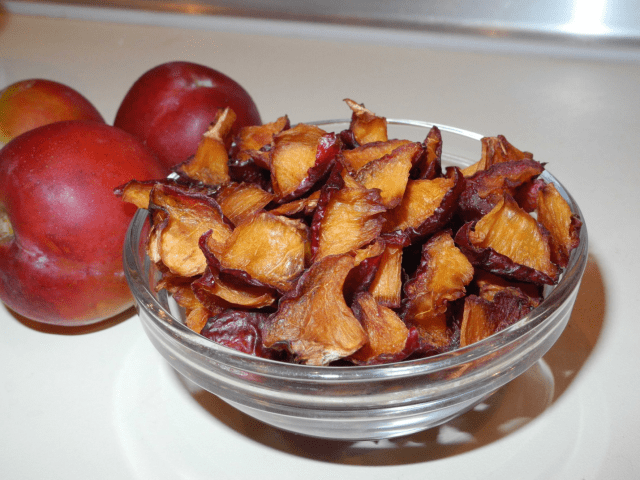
x=366, y=402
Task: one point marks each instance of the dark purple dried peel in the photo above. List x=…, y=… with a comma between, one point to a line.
x=240, y=330
x=482, y=318
x=429, y=165
x=487, y=187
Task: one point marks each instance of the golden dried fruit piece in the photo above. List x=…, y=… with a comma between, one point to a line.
x=509, y=242
x=386, y=286
x=441, y=278
x=555, y=215
x=367, y=262
x=386, y=332
x=476, y=321
x=234, y=294
x=496, y=150
x=240, y=201
x=482, y=318
x=313, y=322
x=196, y=318
x=266, y=250
x=358, y=157
x=346, y=219
x=301, y=206
x=300, y=156
x=196, y=312
x=366, y=126
x=210, y=164
x=390, y=173
x=135, y=192
x=180, y=217
x=256, y=137
x=254, y=142
x=426, y=207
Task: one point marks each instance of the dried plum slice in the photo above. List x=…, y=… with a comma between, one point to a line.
x=265, y=250
x=390, y=173
x=356, y=158
x=300, y=207
x=489, y=284
x=348, y=217
x=487, y=187
x=386, y=286
x=180, y=217
x=366, y=126
x=210, y=164
x=496, y=150
x=509, y=242
x=387, y=334
x=429, y=165
x=240, y=330
x=441, y=278
x=240, y=201
x=555, y=215
x=313, y=321
x=426, y=207
x=482, y=318
x=254, y=141
x=135, y=192
x=367, y=263
x=234, y=294
x=300, y=157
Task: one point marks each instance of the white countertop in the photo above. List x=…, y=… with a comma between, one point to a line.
x=100, y=403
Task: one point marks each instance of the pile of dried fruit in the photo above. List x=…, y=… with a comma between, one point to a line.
x=351, y=248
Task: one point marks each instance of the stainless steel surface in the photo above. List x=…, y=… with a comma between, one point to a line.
x=591, y=21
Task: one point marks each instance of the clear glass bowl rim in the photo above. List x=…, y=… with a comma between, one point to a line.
x=537, y=319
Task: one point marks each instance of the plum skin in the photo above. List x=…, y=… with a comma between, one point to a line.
x=31, y=103
x=61, y=255
x=171, y=105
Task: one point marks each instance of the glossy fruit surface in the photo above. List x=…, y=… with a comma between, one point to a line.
x=170, y=106
x=61, y=226
x=28, y=104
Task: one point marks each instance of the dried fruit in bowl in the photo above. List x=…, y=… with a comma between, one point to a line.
x=352, y=248
x=300, y=156
x=388, y=337
x=366, y=126
x=440, y=279
x=555, y=215
x=266, y=250
x=348, y=216
x=180, y=217
x=496, y=150
x=508, y=241
x=210, y=164
x=482, y=318
x=313, y=321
